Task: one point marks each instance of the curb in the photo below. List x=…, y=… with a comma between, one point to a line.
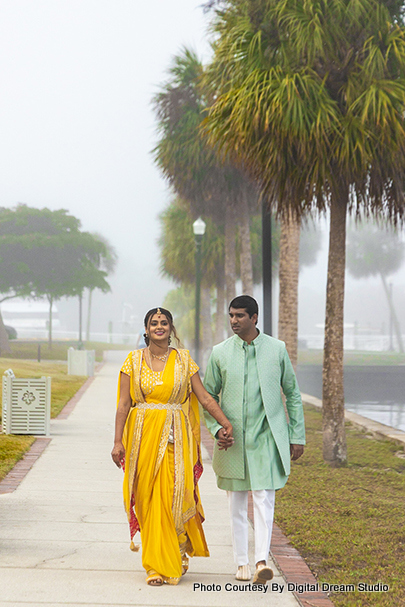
x=20, y=470
x=287, y=558
x=376, y=428
x=71, y=404
x=11, y=481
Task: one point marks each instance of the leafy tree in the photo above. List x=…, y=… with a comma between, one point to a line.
x=374, y=251
x=312, y=97
x=43, y=253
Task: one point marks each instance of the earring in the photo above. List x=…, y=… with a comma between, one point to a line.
x=170, y=340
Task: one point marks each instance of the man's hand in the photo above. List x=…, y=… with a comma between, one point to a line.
x=224, y=439
x=296, y=451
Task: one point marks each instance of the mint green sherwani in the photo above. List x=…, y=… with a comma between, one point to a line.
x=249, y=379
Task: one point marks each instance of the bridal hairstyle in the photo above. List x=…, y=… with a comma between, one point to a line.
x=169, y=317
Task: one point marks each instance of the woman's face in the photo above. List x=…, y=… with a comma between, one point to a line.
x=159, y=329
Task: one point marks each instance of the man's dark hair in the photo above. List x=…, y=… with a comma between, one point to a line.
x=245, y=302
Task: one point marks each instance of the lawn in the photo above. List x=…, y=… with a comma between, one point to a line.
x=29, y=349
x=64, y=386
x=349, y=523
x=352, y=357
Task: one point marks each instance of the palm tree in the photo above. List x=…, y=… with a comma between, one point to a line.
x=312, y=96
x=213, y=188
x=288, y=285
x=177, y=248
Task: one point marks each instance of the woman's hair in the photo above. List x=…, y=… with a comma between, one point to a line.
x=169, y=317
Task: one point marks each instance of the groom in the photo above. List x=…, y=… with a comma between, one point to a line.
x=248, y=370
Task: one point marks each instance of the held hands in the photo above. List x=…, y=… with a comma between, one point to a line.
x=118, y=454
x=296, y=451
x=224, y=437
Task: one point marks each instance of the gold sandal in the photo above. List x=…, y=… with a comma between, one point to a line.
x=172, y=581
x=184, y=563
x=153, y=578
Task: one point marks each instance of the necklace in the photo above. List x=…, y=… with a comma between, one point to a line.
x=159, y=382
x=162, y=358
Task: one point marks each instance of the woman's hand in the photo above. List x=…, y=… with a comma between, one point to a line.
x=224, y=437
x=118, y=454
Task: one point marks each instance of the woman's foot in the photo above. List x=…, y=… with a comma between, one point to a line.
x=153, y=578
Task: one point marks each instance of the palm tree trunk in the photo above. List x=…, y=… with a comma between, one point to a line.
x=288, y=282
x=333, y=409
x=220, y=308
x=394, y=316
x=89, y=314
x=230, y=255
x=50, y=300
x=246, y=267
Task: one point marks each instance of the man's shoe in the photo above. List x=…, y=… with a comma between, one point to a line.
x=262, y=575
x=243, y=573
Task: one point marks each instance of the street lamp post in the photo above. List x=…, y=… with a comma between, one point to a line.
x=199, y=231
x=267, y=269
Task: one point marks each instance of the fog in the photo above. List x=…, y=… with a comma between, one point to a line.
x=77, y=130
x=77, y=126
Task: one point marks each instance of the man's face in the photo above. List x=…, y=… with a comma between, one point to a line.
x=241, y=323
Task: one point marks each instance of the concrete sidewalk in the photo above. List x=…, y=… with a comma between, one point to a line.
x=64, y=537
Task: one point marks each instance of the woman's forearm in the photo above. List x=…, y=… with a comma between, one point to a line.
x=211, y=405
x=120, y=419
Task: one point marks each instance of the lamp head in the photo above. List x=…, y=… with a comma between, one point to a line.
x=199, y=227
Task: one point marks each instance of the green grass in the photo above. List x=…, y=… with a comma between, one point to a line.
x=29, y=349
x=64, y=386
x=315, y=357
x=349, y=523
x=12, y=448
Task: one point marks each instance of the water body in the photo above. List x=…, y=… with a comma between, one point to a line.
x=376, y=392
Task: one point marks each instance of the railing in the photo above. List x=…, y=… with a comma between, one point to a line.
x=372, y=343
x=112, y=338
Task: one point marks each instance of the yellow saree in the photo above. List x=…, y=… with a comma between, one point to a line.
x=161, y=494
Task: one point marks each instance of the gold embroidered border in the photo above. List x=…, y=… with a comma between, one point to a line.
x=136, y=442
x=179, y=479
x=189, y=514
x=136, y=376
x=168, y=406
x=163, y=442
x=183, y=546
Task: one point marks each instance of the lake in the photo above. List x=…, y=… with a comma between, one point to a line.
x=376, y=392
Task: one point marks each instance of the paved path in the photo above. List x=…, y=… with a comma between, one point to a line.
x=63, y=532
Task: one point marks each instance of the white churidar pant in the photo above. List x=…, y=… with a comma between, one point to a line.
x=263, y=510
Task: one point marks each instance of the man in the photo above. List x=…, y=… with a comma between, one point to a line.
x=248, y=371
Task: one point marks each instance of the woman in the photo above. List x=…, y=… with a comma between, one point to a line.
x=157, y=441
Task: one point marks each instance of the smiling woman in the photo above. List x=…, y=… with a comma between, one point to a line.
x=157, y=443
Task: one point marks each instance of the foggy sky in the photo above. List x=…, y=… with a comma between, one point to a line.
x=77, y=129
x=76, y=125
